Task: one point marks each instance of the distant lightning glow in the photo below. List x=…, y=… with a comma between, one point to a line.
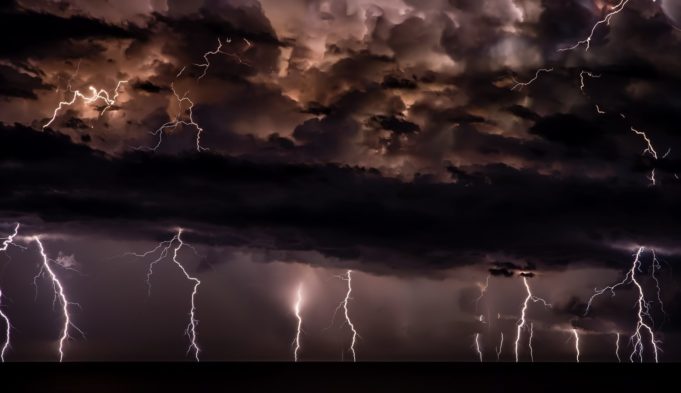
x=483, y=290
x=642, y=314
x=520, y=85
x=94, y=96
x=296, y=310
x=178, y=121
x=522, y=323
x=477, y=346
x=501, y=346
x=576, y=335
x=173, y=246
x=60, y=295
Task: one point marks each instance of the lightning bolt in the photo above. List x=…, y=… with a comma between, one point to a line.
x=6, y=242
x=606, y=20
x=218, y=50
x=582, y=82
x=500, y=347
x=346, y=312
x=296, y=310
x=643, y=311
x=650, y=150
x=483, y=290
x=522, y=323
x=173, y=247
x=59, y=294
x=95, y=95
x=8, y=328
x=178, y=121
x=576, y=336
x=520, y=85
x=477, y=346
x=617, y=347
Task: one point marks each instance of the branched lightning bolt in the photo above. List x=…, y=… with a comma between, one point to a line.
x=95, y=95
x=650, y=150
x=173, y=246
x=643, y=310
x=6, y=242
x=8, y=328
x=523, y=320
x=483, y=290
x=296, y=310
x=218, y=50
x=178, y=121
x=520, y=85
x=575, y=333
x=500, y=347
x=606, y=20
x=60, y=295
x=477, y=346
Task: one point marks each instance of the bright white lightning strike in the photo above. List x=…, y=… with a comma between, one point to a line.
x=650, y=150
x=483, y=290
x=94, y=96
x=575, y=333
x=606, y=20
x=477, y=346
x=642, y=313
x=522, y=323
x=178, y=121
x=296, y=310
x=346, y=311
x=520, y=85
x=60, y=295
x=6, y=242
x=8, y=328
x=173, y=246
x=617, y=347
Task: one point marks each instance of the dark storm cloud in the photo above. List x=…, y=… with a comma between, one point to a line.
x=14, y=83
x=338, y=211
x=36, y=34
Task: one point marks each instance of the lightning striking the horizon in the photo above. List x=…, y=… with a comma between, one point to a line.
x=6, y=242
x=617, y=347
x=296, y=310
x=523, y=319
x=95, y=95
x=519, y=85
x=173, y=247
x=477, y=346
x=642, y=313
x=8, y=328
x=346, y=312
x=178, y=121
x=575, y=334
x=60, y=295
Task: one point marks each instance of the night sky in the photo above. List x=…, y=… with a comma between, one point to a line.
x=431, y=148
